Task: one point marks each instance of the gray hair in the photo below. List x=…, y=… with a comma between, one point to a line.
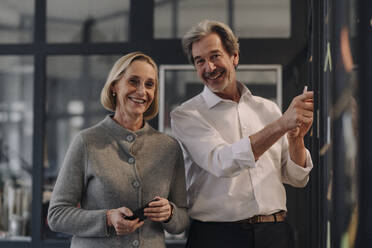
x=206, y=27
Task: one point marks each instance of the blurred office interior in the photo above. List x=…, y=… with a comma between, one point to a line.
x=55, y=56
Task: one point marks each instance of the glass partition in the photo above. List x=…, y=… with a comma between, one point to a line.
x=16, y=137
x=262, y=18
x=344, y=179
x=172, y=19
x=16, y=21
x=248, y=18
x=87, y=21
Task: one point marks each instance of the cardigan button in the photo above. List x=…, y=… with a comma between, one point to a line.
x=136, y=184
x=130, y=138
x=131, y=160
x=135, y=243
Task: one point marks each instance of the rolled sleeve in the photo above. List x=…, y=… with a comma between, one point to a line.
x=243, y=154
x=297, y=174
x=208, y=149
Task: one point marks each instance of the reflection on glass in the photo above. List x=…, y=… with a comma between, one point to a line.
x=87, y=21
x=250, y=18
x=180, y=82
x=262, y=18
x=174, y=18
x=16, y=133
x=343, y=192
x=16, y=21
x=73, y=103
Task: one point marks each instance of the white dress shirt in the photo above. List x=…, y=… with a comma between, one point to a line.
x=224, y=183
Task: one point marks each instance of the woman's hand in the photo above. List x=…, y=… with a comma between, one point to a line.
x=159, y=210
x=115, y=218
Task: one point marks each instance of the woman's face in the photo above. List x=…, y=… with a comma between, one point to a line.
x=136, y=89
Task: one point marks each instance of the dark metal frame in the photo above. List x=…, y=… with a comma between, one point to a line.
x=291, y=53
x=364, y=237
x=321, y=82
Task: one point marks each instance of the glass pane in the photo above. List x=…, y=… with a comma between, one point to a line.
x=344, y=168
x=87, y=20
x=262, y=18
x=73, y=103
x=16, y=135
x=262, y=80
x=174, y=18
x=251, y=18
x=16, y=21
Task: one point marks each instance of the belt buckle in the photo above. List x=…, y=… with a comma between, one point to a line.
x=253, y=220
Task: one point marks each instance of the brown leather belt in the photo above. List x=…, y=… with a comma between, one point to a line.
x=276, y=217
x=272, y=218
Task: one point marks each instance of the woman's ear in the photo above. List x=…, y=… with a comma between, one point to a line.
x=112, y=88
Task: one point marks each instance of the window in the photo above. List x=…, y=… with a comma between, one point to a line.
x=16, y=135
x=87, y=20
x=248, y=18
x=16, y=21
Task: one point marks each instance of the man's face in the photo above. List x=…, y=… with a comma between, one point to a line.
x=215, y=67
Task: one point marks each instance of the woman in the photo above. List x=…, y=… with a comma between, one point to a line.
x=120, y=164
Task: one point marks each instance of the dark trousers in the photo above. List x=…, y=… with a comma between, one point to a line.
x=239, y=235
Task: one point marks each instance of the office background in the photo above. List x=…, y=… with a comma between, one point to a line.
x=55, y=56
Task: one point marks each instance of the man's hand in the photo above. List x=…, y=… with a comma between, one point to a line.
x=299, y=116
x=115, y=218
x=300, y=112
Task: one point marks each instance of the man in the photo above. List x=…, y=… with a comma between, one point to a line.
x=239, y=150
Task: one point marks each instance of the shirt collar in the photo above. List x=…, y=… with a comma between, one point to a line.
x=244, y=91
x=211, y=99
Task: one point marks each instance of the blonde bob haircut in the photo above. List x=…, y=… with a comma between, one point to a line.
x=109, y=101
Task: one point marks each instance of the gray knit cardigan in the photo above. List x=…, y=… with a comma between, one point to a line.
x=107, y=167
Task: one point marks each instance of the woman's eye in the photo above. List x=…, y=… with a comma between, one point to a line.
x=133, y=81
x=150, y=84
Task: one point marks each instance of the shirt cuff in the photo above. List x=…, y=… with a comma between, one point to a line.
x=243, y=154
x=297, y=171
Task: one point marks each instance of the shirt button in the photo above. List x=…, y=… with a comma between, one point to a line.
x=131, y=160
x=135, y=243
x=130, y=138
x=135, y=184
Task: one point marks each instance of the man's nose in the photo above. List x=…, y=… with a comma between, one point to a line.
x=210, y=66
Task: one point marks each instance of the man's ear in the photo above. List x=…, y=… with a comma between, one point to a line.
x=236, y=60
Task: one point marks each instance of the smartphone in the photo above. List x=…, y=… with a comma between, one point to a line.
x=138, y=213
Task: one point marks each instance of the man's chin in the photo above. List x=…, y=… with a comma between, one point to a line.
x=216, y=89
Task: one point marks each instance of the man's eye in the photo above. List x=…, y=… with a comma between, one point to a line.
x=199, y=62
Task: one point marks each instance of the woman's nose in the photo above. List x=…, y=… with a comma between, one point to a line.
x=141, y=88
